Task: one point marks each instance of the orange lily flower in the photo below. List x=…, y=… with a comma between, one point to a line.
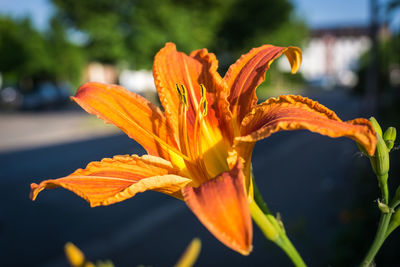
x=200, y=147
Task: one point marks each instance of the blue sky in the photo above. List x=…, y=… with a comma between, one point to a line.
x=39, y=10
x=317, y=13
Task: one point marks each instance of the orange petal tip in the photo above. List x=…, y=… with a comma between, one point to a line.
x=294, y=56
x=221, y=205
x=34, y=191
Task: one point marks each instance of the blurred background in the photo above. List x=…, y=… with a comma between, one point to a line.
x=323, y=188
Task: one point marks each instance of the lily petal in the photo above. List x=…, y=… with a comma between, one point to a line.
x=115, y=179
x=248, y=72
x=133, y=114
x=297, y=112
x=217, y=89
x=221, y=205
x=171, y=68
x=209, y=75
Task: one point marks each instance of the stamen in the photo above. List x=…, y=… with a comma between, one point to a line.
x=178, y=91
x=191, y=146
x=183, y=107
x=184, y=95
x=198, y=131
x=205, y=104
x=202, y=90
x=203, y=100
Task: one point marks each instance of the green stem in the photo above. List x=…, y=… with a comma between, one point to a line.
x=390, y=229
x=263, y=222
x=291, y=251
x=271, y=228
x=379, y=239
x=384, y=187
x=384, y=221
x=259, y=199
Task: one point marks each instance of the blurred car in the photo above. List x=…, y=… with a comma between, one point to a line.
x=10, y=98
x=45, y=95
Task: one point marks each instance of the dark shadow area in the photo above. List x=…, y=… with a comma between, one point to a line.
x=322, y=187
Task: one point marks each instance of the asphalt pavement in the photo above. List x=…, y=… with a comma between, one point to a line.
x=304, y=176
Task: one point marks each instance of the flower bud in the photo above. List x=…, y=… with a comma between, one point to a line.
x=376, y=126
x=390, y=136
x=380, y=160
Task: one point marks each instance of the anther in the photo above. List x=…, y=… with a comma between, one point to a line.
x=205, y=107
x=203, y=100
x=202, y=91
x=178, y=90
x=184, y=95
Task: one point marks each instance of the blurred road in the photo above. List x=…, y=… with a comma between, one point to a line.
x=304, y=176
x=37, y=129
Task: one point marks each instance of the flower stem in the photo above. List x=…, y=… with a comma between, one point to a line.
x=379, y=239
x=384, y=187
x=382, y=232
x=291, y=251
x=263, y=222
x=271, y=227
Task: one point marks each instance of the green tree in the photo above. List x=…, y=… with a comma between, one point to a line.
x=68, y=59
x=133, y=31
x=27, y=54
x=104, y=23
x=23, y=49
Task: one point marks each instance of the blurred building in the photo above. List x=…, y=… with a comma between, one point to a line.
x=331, y=56
x=98, y=72
x=138, y=81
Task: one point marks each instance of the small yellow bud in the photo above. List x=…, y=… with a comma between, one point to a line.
x=74, y=255
x=190, y=255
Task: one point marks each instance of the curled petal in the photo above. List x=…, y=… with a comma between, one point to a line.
x=209, y=75
x=221, y=205
x=133, y=114
x=293, y=54
x=297, y=112
x=113, y=180
x=248, y=72
x=217, y=89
